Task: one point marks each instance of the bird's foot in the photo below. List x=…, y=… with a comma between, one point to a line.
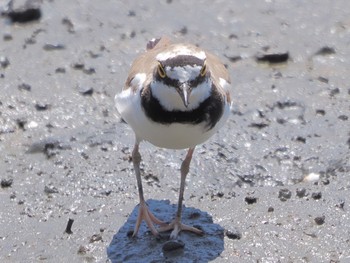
x=149, y=218
x=177, y=227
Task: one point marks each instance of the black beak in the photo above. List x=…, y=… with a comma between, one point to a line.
x=185, y=91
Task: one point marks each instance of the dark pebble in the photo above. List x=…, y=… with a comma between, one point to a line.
x=89, y=71
x=21, y=122
x=60, y=70
x=334, y=92
x=130, y=233
x=325, y=51
x=183, y=30
x=320, y=112
x=273, y=58
x=132, y=13
x=24, y=86
x=86, y=90
x=233, y=233
x=194, y=215
x=316, y=195
x=4, y=62
x=172, y=245
x=323, y=79
x=95, y=238
x=24, y=15
x=50, y=190
x=301, y=192
x=39, y=106
x=343, y=117
x=270, y=209
x=320, y=220
x=284, y=194
x=340, y=204
x=50, y=47
x=7, y=37
x=6, y=182
x=251, y=200
x=300, y=139
x=68, y=23
x=78, y=66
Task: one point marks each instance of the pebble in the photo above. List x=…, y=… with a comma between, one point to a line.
x=85, y=90
x=311, y=177
x=301, y=192
x=40, y=106
x=172, y=245
x=273, y=58
x=251, y=200
x=320, y=220
x=50, y=190
x=233, y=233
x=316, y=195
x=95, y=238
x=4, y=62
x=6, y=182
x=24, y=86
x=284, y=194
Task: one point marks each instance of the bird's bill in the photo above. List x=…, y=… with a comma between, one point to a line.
x=184, y=91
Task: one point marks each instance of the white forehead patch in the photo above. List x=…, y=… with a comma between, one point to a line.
x=184, y=73
x=180, y=50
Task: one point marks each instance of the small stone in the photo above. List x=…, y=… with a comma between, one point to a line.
x=194, y=215
x=172, y=245
x=270, y=209
x=60, y=70
x=89, y=71
x=4, y=62
x=50, y=190
x=233, y=233
x=86, y=90
x=40, y=106
x=24, y=15
x=273, y=58
x=343, y=117
x=316, y=195
x=21, y=122
x=95, y=238
x=320, y=220
x=7, y=37
x=301, y=192
x=6, y=182
x=130, y=233
x=251, y=200
x=24, y=86
x=51, y=47
x=284, y=194
x=340, y=204
x=325, y=51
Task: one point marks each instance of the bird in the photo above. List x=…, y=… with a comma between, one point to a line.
x=176, y=96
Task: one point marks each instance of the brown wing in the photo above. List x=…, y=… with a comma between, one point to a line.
x=218, y=70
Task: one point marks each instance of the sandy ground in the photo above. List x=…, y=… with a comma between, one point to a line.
x=271, y=186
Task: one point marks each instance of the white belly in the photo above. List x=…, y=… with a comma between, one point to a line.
x=173, y=136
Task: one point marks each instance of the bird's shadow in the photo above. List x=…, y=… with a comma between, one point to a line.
x=147, y=248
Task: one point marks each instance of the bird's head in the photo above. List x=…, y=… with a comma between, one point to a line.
x=181, y=79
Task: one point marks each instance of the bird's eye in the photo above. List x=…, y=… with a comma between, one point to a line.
x=161, y=71
x=203, y=70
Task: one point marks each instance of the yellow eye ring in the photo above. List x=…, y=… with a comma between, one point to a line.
x=203, y=70
x=161, y=71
